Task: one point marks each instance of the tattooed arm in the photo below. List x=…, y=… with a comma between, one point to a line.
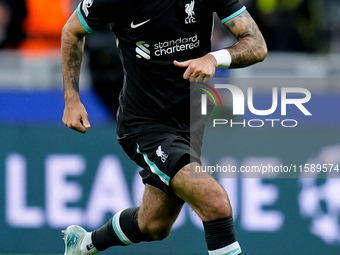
x=72, y=48
x=251, y=47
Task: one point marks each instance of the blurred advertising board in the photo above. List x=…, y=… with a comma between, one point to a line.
x=52, y=177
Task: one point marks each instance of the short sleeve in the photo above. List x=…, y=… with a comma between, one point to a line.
x=94, y=15
x=228, y=9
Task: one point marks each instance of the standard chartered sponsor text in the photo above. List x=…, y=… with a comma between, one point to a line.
x=177, y=45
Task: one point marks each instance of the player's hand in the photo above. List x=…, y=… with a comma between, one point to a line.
x=199, y=69
x=75, y=116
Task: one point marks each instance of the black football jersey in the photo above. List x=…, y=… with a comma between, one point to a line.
x=151, y=35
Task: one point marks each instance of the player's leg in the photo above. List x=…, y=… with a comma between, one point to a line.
x=157, y=213
x=151, y=221
x=204, y=194
x=210, y=201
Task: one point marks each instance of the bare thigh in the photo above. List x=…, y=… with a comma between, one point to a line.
x=204, y=195
x=157, y=212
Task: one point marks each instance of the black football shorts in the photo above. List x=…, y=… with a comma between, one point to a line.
x=162, y=153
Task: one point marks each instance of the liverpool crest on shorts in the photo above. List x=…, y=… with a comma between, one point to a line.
x=161, y=154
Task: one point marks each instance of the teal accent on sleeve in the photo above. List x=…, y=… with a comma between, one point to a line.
x=233, y=15
x=83, y=22
x=154, y=168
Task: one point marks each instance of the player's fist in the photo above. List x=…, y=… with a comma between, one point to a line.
x=76, y=117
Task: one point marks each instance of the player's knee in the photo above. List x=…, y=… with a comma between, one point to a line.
x=160, y=235
x=217, y=206
x=156, y=231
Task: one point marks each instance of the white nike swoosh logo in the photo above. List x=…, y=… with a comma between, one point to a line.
x=139, y=24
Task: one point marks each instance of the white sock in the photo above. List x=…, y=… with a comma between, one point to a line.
x=231, y=249
x=86, y=246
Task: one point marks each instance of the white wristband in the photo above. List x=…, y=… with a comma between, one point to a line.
x=223, y=57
